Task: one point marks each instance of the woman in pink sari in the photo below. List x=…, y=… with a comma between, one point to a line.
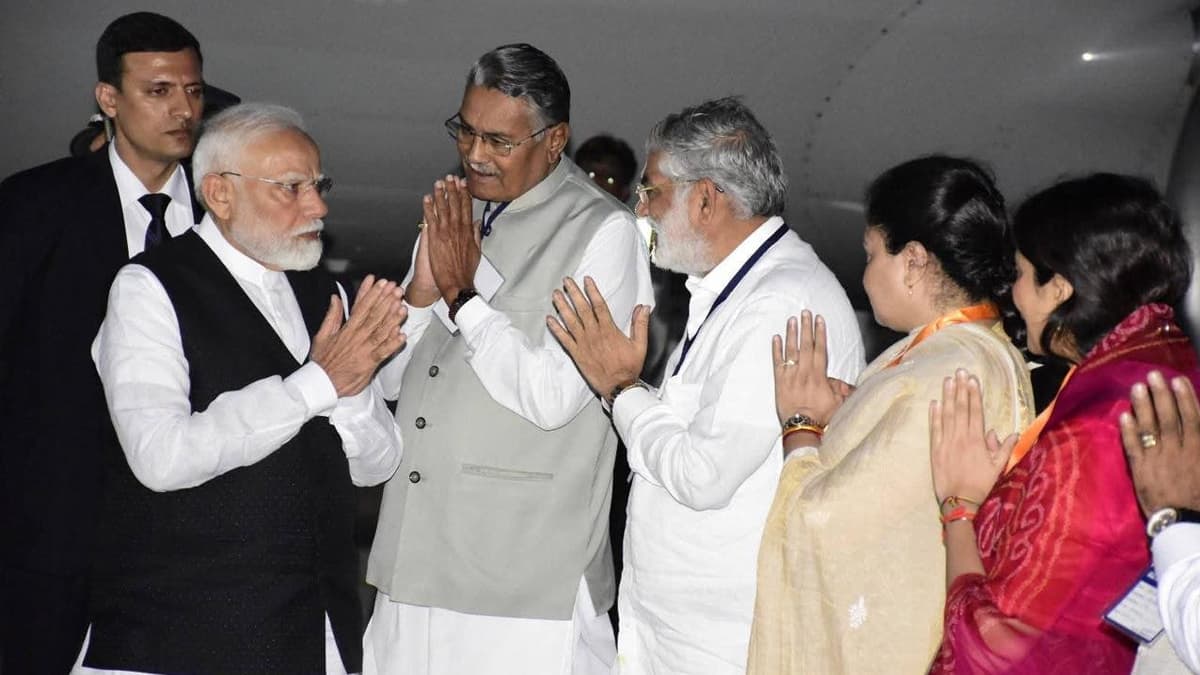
x=1043, y=532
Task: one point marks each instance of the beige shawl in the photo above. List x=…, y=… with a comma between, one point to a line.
x=851, y=572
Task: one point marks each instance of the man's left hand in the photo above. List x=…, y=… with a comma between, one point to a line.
x=350, y=351
x=585, y=328
x=453, y=238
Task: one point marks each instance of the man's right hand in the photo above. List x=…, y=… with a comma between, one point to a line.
x=446, y=215
x=350, y=352
x=1161, y=435
x=422, y=291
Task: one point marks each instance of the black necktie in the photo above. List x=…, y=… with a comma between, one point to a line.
x=156, y=204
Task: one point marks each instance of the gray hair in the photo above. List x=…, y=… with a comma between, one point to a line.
x=526, y=72
x=226, y=134
x=722, y=140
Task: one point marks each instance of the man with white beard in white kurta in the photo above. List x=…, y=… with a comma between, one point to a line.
x=700, y=445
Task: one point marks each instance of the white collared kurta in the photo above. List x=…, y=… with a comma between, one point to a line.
x=705, y=454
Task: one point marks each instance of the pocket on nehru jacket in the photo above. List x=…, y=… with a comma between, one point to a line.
x=484, y=471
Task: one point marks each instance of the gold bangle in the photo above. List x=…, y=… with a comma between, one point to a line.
x=810, y=428
x=954, y=501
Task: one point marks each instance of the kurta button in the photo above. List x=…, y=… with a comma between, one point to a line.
x=433, y=371
x=420, y=423
x=414, y=476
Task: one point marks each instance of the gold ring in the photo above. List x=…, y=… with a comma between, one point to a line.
x=1148, y=439
x=789, y=362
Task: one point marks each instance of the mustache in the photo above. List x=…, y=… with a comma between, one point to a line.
x=484, y=169
x=315, y=226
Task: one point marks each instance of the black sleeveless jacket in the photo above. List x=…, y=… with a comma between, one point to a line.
x=234, y=575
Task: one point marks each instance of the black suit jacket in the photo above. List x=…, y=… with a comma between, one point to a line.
x=62, y=240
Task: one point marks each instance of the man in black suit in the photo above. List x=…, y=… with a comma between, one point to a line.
x=65, y=229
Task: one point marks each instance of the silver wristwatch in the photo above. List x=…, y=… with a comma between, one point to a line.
x=1165, y=517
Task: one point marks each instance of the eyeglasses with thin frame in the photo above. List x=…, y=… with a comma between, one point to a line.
x=322, y=184
x=644, y=191
x=465, y=136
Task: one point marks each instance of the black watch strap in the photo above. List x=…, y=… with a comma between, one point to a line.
x=464, y=296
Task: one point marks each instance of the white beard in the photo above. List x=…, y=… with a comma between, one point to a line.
x=678, y=247
x=284, y=253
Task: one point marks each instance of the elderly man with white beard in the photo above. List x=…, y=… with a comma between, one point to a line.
x=246, y=408
x=700, y=445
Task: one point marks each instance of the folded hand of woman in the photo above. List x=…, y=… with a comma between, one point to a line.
x=801, y=383
x=966, y=462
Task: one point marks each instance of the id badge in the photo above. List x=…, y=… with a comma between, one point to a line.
x=1136, y=612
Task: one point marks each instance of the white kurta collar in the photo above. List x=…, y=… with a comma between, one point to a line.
x=239, y=264
x=704, y=290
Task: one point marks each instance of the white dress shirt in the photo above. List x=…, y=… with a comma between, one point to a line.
x=705, y=467
x=538, y=380
x=140, y=358
x=179, y=214
x=1177, y=563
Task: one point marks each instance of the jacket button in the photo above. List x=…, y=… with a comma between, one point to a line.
x=420, y=422
x=433, y=371
x=414, y=476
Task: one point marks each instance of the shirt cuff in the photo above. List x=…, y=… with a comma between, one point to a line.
x=358, y=405
x=627, y=407
x=315, y=388
x=420, y=314
x=471, y=318
x=1174, y=544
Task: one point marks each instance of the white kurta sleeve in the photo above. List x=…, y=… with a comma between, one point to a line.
x=392, y=372
x=139, y=356
x=702, y=462
x=370, y=437
x=536, y=379
x=1177, y=563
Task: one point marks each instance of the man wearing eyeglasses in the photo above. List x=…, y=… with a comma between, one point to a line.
x=65, y=229
x=246, y=407
x=491, y=554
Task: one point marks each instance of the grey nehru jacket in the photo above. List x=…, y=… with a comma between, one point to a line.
x=488, y=513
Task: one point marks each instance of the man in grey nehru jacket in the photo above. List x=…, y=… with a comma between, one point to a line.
x=492, y=552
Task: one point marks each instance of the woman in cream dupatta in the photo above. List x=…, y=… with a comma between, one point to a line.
x=851, y=571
